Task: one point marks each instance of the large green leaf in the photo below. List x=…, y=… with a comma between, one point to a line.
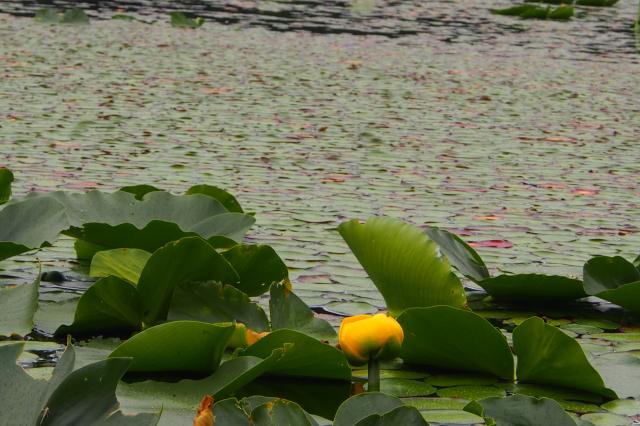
x=179, y=346
x=6, y=178
x=24, y=397
x=290, y=312
x=87, y=396
x=520, y=410
x=533, y=288
x=614, y=279
x=29, y=224
x=303, y=356
x=185, y=260
x=210, y=301
x=281, y=412
x=258, y=266
x=226, y=199
x=406, y=416
x=179, y=400
x=125, y=263
x=360, y=407
x=548, y=356
x=452, y=338
x=109, y=306
x=17, y=306
x=462, y=256
x=403, y=263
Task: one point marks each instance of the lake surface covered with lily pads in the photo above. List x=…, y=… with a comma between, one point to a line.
x=519, y=136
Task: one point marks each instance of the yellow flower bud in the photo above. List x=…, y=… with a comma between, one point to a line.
x=365, y=337
x=243, y=336
x=205, y=413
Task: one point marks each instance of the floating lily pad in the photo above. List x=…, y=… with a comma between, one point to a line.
x=403, y=263
x=180, y=20
x=471, y=392
x=607, y=419
x=519, y=410
x=436, y=403
x=533, y=288
x=179, y=346
x=349, y=308
x=548, y=356
x=406, y=387
x=452, y=338
x=624, y=407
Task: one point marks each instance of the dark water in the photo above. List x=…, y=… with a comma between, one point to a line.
x=605, y=32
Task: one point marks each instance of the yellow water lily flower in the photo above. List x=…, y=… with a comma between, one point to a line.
x=205, y=412
x=243, y=336
x=365, y=337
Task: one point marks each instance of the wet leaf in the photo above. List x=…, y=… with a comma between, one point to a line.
x=462, y=256
x=258, y=266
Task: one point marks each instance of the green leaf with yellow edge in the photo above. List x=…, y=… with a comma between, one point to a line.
x=303, y=356
x=185, y=260
x=548, y=356
x=124, y=263
x=6, y=178
x=17, y=307
x=110, y=306
x=403, y=263
x=455, y=339
x=178, y=346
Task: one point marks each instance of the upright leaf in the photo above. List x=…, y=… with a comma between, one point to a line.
x=109, y=306
x=403, y=263
x=406, y=416
x=258, y=266
x=178, y=346
x=455, y=339
x=6, y=178
x=614, y=279
x=290, y=312
x=461, y=255
x=359, y=407
x=185, y=260
x=212, y=302
x=303, y=356
x=548, y=356
x=125, y=263
x=225, y=198
x=17, y=306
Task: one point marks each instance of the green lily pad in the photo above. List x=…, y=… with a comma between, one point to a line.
x=29, y=224
x=258, y=266
x=349, y=308
x=533, y=288
x=185, y=260
x=461, y=255
x=436, y=403
x=179, y=346
x=124, y=263
x=109, y=306
x=624, y=407
x=288, y=311
x=361, y=406
x=225, y=198
x=406, y=387
x=451, y=338
x=180, y=20
x=454, y=417
x=519, y=410
x=458, y=379
x=6, y=178
x=614, y=279
x=607, y=419
x=304, y=356
x=553, y=392
x=547, y=356
x=17, y=307
x=281, y=412
x=471, y=392
x=408, y=416
x=621, y=371
x=210, y=301
x=403, y=263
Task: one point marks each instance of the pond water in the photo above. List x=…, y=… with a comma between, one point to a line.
x=521, y=136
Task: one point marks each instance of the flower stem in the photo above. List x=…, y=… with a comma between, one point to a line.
x=374, y=376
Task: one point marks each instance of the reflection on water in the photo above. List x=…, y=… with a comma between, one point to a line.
x=606, y=32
